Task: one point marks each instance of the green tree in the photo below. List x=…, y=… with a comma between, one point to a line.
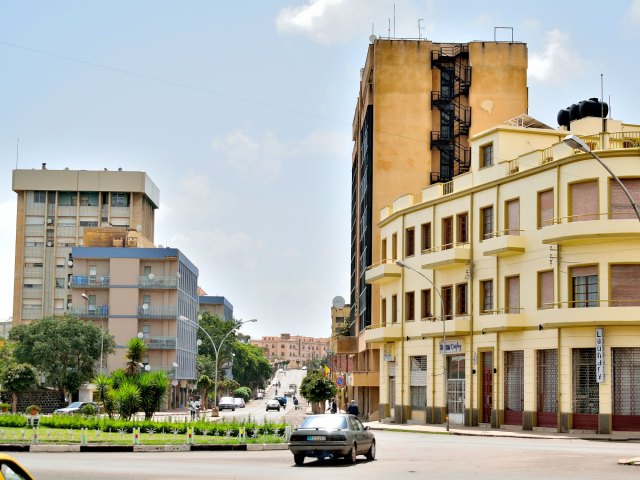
x=205, y=371
x=104, y=385
x=17, y=378
x=65, y=349
x=250, y=367
x=227, y=386
x=127, y=399
x=136, y=349
x=317, y=389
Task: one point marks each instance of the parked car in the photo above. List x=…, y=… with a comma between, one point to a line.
x=75, y=407
x=11, y=469
x=227, y=402
x=304, y=367
x=259, y=395
x=273, y=404
x=332, y=436
x=239, y=402
x=282, y=401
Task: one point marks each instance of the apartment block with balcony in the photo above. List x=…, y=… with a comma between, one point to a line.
x=54, y=209
x=142, y=292
x=294, y=350
x=216, y=305
x=528, y=265
x=418, y=105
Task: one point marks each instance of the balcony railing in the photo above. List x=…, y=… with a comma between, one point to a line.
x=161, y=342
x=158, y=281
x=87, y=311
x=90, y=281
x=157, y=312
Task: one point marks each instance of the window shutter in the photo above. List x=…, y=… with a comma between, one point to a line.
x=584, y=201
x=546, y=289
x=513, y=217
x=625, y=285
x=619, y=206
x=545, y=200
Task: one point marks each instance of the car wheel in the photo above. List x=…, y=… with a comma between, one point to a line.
x=351, y=458
x=298, y=458
x=267, y=409
x=371, y=453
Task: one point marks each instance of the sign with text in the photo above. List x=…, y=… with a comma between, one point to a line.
x=600, y=355
x=453, y=346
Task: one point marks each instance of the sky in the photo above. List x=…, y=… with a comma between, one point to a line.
x=241, y=113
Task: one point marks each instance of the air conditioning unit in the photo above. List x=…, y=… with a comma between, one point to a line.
x=49, y=243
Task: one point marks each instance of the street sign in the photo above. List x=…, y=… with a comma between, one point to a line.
x=600, y=355
x=340, y=381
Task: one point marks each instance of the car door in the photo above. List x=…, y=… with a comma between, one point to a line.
x=362, y=439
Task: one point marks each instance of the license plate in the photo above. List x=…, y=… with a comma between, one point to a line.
x=311, y=438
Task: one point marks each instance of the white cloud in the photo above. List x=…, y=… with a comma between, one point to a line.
x=336, y=21
x=631, y=17
x=557, y=64
x=258, y=158
x=531, y=24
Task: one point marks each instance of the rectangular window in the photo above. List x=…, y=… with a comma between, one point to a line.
x=394, y=308
x=625, y=285
x=447, y=233
x=545, y=208
x=619, y=205
x=418, y=382
x=39, y=196
x=584, y=287
x=461, y=299
x=513, y=294
x=410, y=242
x=486, y=217
x=447, y=301
x=426, y=236
x=59, y=282
x=486, y=292
x=410, y=306
x=463, y=227
x=584, y=201
x=383, y=250
x=394, y=246
x=512, y=210
x=119, y=199
x=383, y=311
x=425, y=304
x=486, y=155
x=545, y=289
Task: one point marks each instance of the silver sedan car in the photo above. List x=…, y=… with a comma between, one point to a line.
x=332, y=436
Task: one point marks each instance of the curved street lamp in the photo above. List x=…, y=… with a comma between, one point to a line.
x=402, y=264
x=216, y=350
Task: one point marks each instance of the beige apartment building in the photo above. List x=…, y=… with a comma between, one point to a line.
x=54, y=209
x=294, y=350
x=150, y=293
x=418, y=105
x=519, y=299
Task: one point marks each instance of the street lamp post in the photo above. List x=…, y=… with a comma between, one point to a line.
x=577, y=143
x=402, y=264
x=216, y=350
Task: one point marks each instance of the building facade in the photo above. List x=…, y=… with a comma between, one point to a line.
x=293, y=350
x=145, y=292
x=216, y=305
x=54, y=208
x=519, y=303
x=419, y=103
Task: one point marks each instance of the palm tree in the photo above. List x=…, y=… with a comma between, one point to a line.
x=135, y=353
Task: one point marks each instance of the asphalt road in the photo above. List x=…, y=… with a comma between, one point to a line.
x=401, y=455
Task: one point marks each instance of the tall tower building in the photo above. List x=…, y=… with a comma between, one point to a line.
x=54, y=208
x=418, y=105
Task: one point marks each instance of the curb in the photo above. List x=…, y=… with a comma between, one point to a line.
x=202, y=447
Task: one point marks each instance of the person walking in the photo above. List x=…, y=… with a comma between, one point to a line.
x=334, y=406
x=193, y=408
x=353, y=408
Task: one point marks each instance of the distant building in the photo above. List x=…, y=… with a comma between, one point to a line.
x=296, y=349
x=216, y=305
x=54, y=208
x=5, y=326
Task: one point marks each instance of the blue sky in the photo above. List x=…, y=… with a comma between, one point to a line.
x=241, y=114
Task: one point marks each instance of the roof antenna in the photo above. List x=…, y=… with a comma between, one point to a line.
x=394, y=20
x=389, y=29
x=420, y=28
x=604, y=120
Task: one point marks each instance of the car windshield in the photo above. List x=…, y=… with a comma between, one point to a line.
x=324, y=421
x=75, y=405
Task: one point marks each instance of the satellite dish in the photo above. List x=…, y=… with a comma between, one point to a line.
x=338, y=302
x=145, y=306
x=174, y=383
x=151, y=276
x=372, y=38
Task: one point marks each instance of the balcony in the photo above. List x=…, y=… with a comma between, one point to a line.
x=345, y=345
x=458, y=325
x=383, y=273
x=504, y=244
x=382, y=333
x=158, y=281
x=568, y=231
x=90, y=311
x=363, y=379
x=447, y=256
x=502, y=320
x=161, y=343
x=599, y=315
x=92, y=281
x=157, y=312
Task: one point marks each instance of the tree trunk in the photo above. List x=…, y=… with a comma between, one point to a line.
x=15, y=402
